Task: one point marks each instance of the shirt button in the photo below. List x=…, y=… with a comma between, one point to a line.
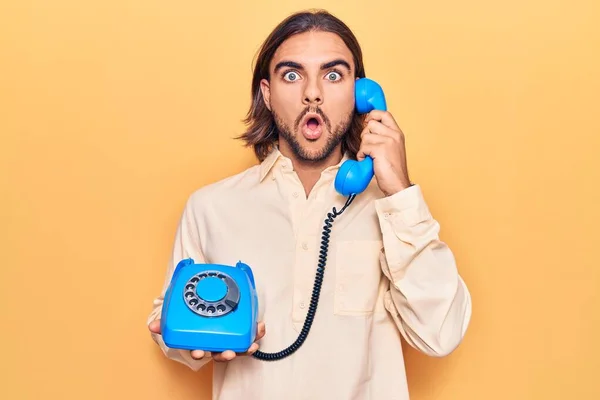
x=295, y=194
x=305, y=245
x=301, y=304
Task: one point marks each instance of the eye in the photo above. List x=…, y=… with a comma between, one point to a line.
x=333, y=76
x=291, y=76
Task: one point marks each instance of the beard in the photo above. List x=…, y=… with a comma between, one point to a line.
x=333, y=140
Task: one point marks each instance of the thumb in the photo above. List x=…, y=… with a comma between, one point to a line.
x=154, y=326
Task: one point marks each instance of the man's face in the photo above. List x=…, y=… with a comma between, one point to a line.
x=311, y=94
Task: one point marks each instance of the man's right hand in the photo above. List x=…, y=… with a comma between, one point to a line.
x=227, y=355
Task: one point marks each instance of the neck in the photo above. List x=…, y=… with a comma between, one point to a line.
x=309, y=172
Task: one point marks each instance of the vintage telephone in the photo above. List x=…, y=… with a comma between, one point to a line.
x=214, y=307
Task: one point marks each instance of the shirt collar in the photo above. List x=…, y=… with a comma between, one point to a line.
x=275, y=156
x=269, y=162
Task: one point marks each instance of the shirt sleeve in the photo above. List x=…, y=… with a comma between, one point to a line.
x=186, y=245
x=427, y=298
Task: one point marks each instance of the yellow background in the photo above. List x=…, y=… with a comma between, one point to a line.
x=112, y=112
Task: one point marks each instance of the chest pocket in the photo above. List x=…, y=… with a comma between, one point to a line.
x=358, y=276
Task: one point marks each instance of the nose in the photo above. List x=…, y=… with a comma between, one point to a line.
x=312, y=94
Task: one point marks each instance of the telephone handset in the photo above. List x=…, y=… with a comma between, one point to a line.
x=214, y=307
x=354, y=176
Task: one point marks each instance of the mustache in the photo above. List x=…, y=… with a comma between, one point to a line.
x=317, y=111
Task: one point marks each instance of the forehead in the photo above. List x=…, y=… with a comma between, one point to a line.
x=312, y=49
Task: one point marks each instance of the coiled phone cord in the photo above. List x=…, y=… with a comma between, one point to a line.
x=312, y=308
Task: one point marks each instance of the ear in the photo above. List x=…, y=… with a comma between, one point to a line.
x=266, y=92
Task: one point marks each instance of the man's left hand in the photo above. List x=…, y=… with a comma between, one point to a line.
x=383, y=141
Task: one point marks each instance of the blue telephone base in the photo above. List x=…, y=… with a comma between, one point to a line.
x=210, y=307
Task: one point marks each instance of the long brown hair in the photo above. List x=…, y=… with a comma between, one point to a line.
x=261, y=133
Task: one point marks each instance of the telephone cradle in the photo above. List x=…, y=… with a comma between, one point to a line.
x=214, y=307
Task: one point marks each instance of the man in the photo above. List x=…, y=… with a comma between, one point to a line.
x=387, y=276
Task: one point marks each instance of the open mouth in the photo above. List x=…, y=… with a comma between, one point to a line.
x=312, y=127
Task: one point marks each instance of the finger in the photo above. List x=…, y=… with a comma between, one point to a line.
x=365, y=131
x=376, y=140
x=378, y=128
x=227, y=355
x=252, y=349
x=261, y=330
x=197, y=354
x=154, y=326
x=373, y=149
x=365, y=150
x=385, y=117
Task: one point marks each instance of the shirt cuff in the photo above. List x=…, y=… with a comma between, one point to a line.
x=407, y=207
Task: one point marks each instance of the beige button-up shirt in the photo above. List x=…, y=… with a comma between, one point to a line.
x=388, y=276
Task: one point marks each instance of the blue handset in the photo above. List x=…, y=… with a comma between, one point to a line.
x=354, y=176
x=210, y=307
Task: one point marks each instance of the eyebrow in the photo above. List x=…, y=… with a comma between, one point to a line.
x=330, y=64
